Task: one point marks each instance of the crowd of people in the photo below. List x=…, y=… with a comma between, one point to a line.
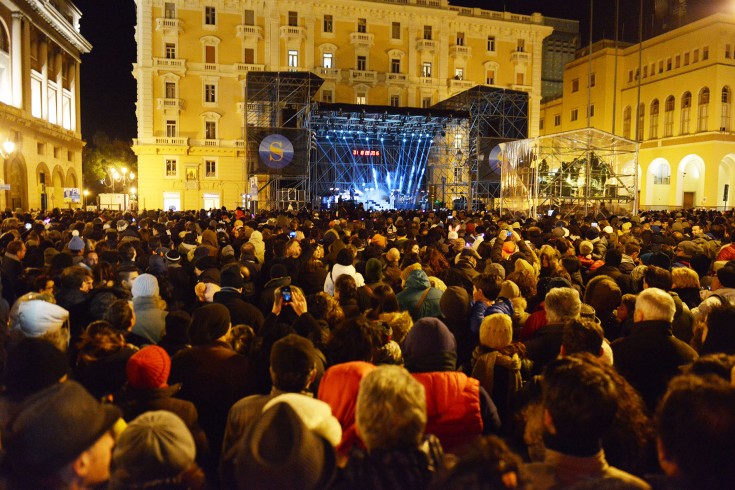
x=375, y=350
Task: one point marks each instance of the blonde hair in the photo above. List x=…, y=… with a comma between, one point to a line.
x=684, y=277
x=205, y=291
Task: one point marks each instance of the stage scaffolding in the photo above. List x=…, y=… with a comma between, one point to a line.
x=579, y=172
x=276, y=101
x=494, y=115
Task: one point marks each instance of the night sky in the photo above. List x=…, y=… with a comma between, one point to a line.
x=108, y=86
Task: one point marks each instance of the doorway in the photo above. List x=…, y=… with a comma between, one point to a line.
x=688, y=200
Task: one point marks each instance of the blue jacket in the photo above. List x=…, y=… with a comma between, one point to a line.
x=479, y=311
x=416, y=284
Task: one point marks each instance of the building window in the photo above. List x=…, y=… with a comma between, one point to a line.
x=426, y=102
x=705, y=53
x=641, y=121
x=41, y=148
x=171, y=168
x=395, y=65
x=293, y=58
x=328, y=23
x=460, y=39
x=427, y=33
x=293, y=18
x=686, y=105
x=426, y=70
x=362, y=25
x=728, y=53
x=327, y=96
x=210, y=93
x=677, y=61
x=169, y=10
x=695, y=56
x=171, y=129
x=327, y=59
x=521, y=45
x=703, y=109
x=458, y=174
x=660, y=66
x=170, y=51
x=395, y=100
x=459, y=73
x=520, y=78
x=210, y=168
x=361, y=98
x=249, y=56
x=557, y=120
x=250, y=17
x=645, y=71
x=686, y=59
x=626, y=122
x=541, y=125
x=725, y=116
x=575, y=114
x=395, y=30
x=669, y=116
x=210, y=54
x=575, y=85
x=490, y=77
x=593, y=80
x=668, y=64
x=491, y=43
x=210, y=16
x=170, y=90
x=591, y=111
x=653, y=130
x=362, y=63
x=210, y=130
x=630, y=76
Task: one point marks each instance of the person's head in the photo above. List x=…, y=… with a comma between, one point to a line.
x=582, y=336
x=430, y=346
x=345, y=256
x=657, y=277
x=43, y=284
x=496, y=331
x=489, y=284
x=391, y=409
x=40, y=319
x=209, y=323
x=345, y=288
x=293, y=363
x=17, y=248
x=354, y=339
x=654, y=304
x=293, y=248
x=32, y=365
x=719, y=336
x=91, y=258
x=148, y=369
x=613, y=257
x=696, y=432
x=684, y=277
x=120, y=315
x=61, y=436
x=627, y=308
x=127, y=276
x=76, y=278
x=562, y=304
x=725, y=277
x=579, y=400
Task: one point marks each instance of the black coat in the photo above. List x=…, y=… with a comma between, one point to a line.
x=649, y=357
x=241, y=312
x=544, y=345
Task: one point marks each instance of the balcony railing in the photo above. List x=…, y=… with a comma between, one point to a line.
x=363, y=76
x=169, y=25
x=174, y=64
x=398, y=78
x=177, y=104
x=330, y=73
x=458, y=85
x=425, y=45
x=520, y=57
x=460, y=51
x=362, y=39
x=242, y=68
x=212, y=143
x=211, y=67
x=293, y=32
x=249, y=32
x=162, y=141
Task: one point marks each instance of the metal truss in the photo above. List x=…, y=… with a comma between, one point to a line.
x=581, y=171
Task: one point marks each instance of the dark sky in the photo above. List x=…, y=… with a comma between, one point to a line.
x=108, y=87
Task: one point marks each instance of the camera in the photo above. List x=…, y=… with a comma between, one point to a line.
x=286, y=294
x=28, y=226
x=292, y=234
x=510, y=233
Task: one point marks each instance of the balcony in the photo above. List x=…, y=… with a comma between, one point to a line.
x=362, y=39
x=249, y=33
x=293, y=32
x=243, y=68
x=169, y=25
x=426, y=45
x=460, y=85
x=162, y=141
x=213, y=67
x=460, y=51
x=396, y=78
x=192, y=185
x=428, y=81
x=364, y=76
x=520, y=57
x=328, y=73
x=176, y=104
x=210, y=143
x=169, y=64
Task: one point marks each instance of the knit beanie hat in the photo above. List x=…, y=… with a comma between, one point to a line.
x=154, y=447
x=145, y=285
x=315, y=414
x=428, y=341
x=37, y=317
x=509, y=290
x=230, y=277
x=496, y=331
x=393, y=255
x=379, y=240
x=585, y=247
x=148, y=368
x=209, y=323
x=76, y=244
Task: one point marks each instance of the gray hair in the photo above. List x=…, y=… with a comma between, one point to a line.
x=655, y=304
x=562, y=305
x=391, y=408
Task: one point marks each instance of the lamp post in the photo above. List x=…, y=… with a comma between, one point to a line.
x=85, y=193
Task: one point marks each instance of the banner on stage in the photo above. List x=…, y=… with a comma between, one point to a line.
x=281, y=151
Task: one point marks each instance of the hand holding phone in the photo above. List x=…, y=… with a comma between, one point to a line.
x=286, y=294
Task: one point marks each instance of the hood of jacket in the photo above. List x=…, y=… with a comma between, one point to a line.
x=256, y=237
x=417, y=280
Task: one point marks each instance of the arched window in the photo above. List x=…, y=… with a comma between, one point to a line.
x=703, y=109
x=626, y=122
x=641, y=121
x=725, y=115
x=686, y=107
x=653, y=131
x=669, y=116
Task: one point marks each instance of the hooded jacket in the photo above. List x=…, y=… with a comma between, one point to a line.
x=150, y=319
x=416, y=284
x=256, y=238
x=338, y=270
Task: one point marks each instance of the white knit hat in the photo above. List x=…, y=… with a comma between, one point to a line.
x=145, y=285
x=37, y=317
x=315, y=414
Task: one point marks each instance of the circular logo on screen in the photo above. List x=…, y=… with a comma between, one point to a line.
x=276, y=151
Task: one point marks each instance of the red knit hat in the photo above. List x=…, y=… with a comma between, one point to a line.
x=148, y=368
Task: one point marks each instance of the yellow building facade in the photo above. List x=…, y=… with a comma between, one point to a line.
x=673, y=94
x=193, y=57
x=40, y=48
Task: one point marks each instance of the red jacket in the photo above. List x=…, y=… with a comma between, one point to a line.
x=452, y=406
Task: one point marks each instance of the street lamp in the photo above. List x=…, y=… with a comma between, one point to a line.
x=85, y=193
x=7, y=149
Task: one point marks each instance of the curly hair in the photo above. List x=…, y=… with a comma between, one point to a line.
x=525, y=281
x=98, y=341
